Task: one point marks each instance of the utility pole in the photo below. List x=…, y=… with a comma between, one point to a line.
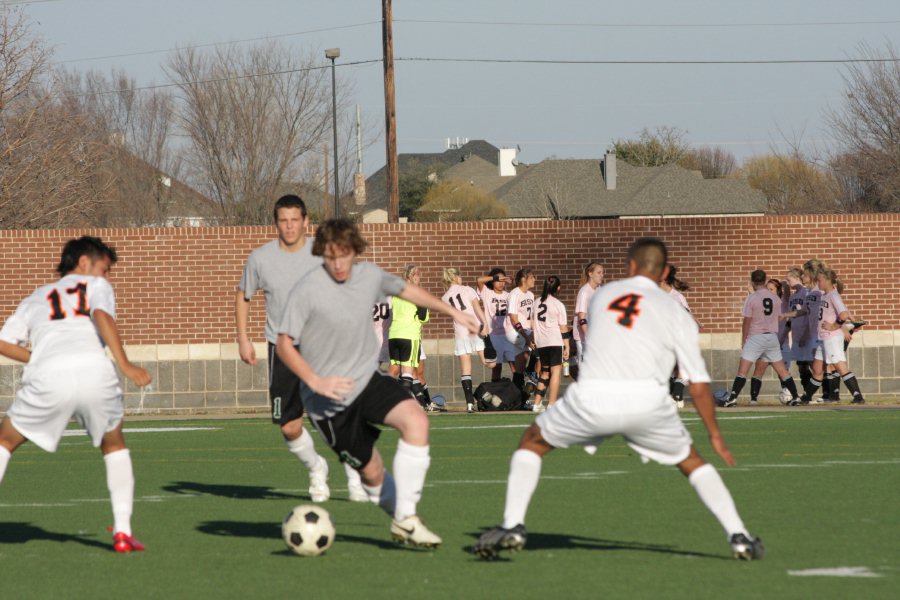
x=390, y=114
x=326, y=207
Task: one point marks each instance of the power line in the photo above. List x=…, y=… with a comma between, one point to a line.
x=646, y=25
x=535, y=61
x=212, y=44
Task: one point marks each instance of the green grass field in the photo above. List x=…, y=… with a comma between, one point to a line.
x=820, y=487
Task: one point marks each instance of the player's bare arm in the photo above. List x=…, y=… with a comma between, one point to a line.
x=330, y=387
x=109, y=333
x=241, y=317
x=15, y=352
x=703, y=402
x=420, y=297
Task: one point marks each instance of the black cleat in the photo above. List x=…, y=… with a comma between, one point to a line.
x=858, y=400
x=747, y=548
x=494, y=540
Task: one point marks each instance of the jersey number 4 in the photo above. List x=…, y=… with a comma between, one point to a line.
x=627, y=306
x=58, y=312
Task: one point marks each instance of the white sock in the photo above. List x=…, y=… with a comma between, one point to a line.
x=410, y=467
x=353, y=479
x=712, y=491
x=524, y=473
x=303, y=449
x=384, y=495
x=5, y=455
x=120, y=481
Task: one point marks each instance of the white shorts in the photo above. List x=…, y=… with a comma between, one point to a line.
x=506, y=352
x=50, y=397
x=805, y=353
x=831, y=350
x=641, y=412
x=468, y=345
x=762, y=345
x=517, y=341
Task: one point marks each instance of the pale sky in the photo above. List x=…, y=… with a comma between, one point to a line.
x=552, y=109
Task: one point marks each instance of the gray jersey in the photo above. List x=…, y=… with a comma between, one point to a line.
x=333, y=324
x=276, y=272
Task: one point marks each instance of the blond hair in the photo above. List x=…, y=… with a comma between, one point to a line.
x=450, y=276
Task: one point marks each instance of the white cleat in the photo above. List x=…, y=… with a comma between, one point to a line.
x=412, y=531
x=318, y=482
x=357, y=493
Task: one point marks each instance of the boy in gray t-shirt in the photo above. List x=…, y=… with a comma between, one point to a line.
x=326, y=339
x=275, y=268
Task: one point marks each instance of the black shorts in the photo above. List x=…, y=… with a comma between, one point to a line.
x=284, y=391
x=551, y=356
x=352, y=432
x=404, y=352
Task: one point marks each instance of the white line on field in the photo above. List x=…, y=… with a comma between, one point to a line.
x=524, y=425
x=836, y=572
x=74, y=432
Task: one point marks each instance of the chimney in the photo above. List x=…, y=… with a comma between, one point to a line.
x=609, y=170
x=507, y=161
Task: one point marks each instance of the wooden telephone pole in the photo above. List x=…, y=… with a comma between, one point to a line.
x=390, y=114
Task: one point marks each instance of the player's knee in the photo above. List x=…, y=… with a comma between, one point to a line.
x=292, y=430
x=534, y=441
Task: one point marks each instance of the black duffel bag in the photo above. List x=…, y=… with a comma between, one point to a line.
x=499, y=395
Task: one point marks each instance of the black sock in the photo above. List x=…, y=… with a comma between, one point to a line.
x=852, y=385
x=466, y=382
x=810, y=388
x=519, y=380
x=835, y=386
x=790, y=385
x=737, y=386
x=755, y=386
x=805, y=373
x=827, y=382
x=531, y=362
x=677, y=388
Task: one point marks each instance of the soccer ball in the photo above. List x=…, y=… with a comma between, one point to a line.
x=307, y=530
x=785, y=396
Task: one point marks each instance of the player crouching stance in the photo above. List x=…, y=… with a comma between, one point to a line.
x=69, y=374
x=635, y=336
x=328, y=314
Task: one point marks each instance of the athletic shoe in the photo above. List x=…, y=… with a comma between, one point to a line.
x=819, y=400
x=123, y=543
x=799, y=401
x=831, y=400
x=412, y=531
x=679, y=404
x=538, y=407
x=754, y=402
x=357, y=493
x=747, y=548
x=470, y=408
x=729, y=402
x=431, y=407
x=318, y=482
x=494, y=540
x=858, y=400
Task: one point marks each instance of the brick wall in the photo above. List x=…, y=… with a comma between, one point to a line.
x=175, y=290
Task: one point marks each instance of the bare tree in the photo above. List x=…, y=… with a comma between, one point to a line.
x=251, y=115
x=792, y=185
x=867, y=130
x=713, y=163
x=661, y=146
x=459, y=201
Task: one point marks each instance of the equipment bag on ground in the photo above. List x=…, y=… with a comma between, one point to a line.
x=498, y=395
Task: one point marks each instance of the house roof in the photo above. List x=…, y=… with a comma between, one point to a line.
x=480, y=173
x=376, y=190
x=577, y=189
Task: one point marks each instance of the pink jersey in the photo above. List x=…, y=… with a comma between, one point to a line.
x=495, y=305
x=763, y=307
x=582, y=301
x=548, y=317
x=797, y=301
x=812, y=301
x=830, y=308
x=679, y=297
x=521, y=304
x=381, y=320
x=462, y=297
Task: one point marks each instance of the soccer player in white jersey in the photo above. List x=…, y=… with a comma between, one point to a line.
x=517, y=326
x=674, y=286
x=275, y=268
x=68, y=374
x=777, y=288
x=623, y=390
x=759, y=337
x=591, y=279
x=495, y=298
x=551, y=338
x=834, y=329
x=466, y=299
x=328, y=314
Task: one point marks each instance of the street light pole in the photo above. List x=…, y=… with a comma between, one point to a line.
x=333, y=53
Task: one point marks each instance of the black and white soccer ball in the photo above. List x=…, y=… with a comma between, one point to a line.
x=307, y=530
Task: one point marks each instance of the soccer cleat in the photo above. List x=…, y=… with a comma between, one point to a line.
x=412, y=532
x=538, y=407
x=754, y=402
x=494, y=540
x=470, y=408
x=678, y=403
x=356, y=493
x=318, y=482
x=858, y=400
x=730, y=401
x=124, y=543
x=747, y=548
x=819, y=400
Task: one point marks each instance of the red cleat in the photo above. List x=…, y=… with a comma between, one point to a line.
x=122, y=542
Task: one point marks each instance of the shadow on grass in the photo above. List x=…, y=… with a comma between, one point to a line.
x=268, y=531
x=242, y=492
x=563, y=541
x=20, y=533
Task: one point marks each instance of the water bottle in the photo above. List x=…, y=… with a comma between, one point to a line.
x=565, y=368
